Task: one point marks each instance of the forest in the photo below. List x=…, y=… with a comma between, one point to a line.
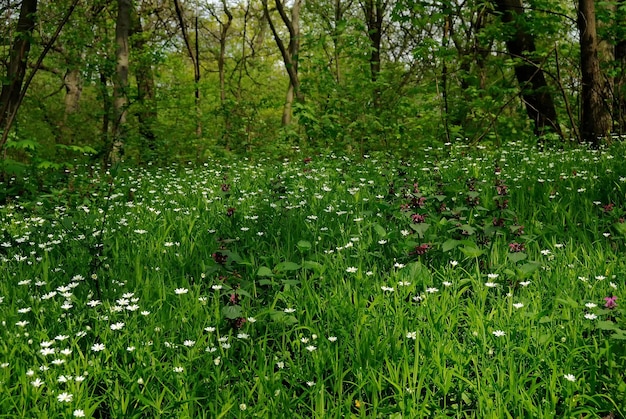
x=183, y=80
x=313, y=209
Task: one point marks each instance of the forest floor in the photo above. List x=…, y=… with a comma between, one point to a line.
x=461, y=283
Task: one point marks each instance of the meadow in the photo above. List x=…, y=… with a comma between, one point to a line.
x=462, y=282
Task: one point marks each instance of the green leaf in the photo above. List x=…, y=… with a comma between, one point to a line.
x=529, y=268
x=606, y=325
x=516, y=257
x=314, y=266
x=471, y=252
x=231, y=312
x=264, y=271
x=282, y=317
x=449, y=245
x=380, y=230
x=420, y=229
x=287, y=266
x=23, y=144
x=304, y=245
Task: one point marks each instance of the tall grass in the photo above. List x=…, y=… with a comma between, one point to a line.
x=463, y=283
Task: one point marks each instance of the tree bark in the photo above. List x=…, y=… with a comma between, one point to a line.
x=535, y=91
x=195, y=60
x=374, y=11
x=18, y=62
x=147, y=112
x=595, y=121
x=619, y=81
x=289, y=53
x=120, y=90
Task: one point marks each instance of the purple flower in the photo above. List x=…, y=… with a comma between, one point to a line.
x=611, y=302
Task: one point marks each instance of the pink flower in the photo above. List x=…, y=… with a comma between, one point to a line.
x=611, y=302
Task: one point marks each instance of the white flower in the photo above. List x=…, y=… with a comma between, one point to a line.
x=432, y=290
x=311, y=348
x=351, y=269
x=65, y=397
x=217, y=360
x=251, y=319
x=243, y=406
x=47, y=351
x=411, y=335
x=180, y=291
x=387, y=289
x=518, y=305
x=216, y=287
x=570, y=377
x=242, y=336
x=289, y=310
x=332, y=338
x=37, y=383
x=454, y=263
x=498, y=333
x=591, y=305
x=79, y=413
x=117, y=326
x=179, y=369
x=97, y=347
x=492, y=276
x=310, y=383
x=491, y=284
x=524, y=283
x=590, y=316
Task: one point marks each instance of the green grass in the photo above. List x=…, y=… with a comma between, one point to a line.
x=462, y=283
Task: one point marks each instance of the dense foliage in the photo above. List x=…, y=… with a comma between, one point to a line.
x=207, y=78
x=461, y=282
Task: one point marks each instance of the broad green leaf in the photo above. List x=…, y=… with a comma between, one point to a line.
x=231, y=312
x=420, y=229
x=287, y=266
x=264, y=271
x=528, y=268
x=304, y=245
x=380, y=230
x=516, y=257
x=607, y=325
x=312, y=265
x=471, y=252
x=449, y=245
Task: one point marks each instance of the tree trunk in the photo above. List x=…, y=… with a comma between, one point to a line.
x=619, y=81
x=147, y=112
x=73, y=82
x=535, y=91
x=120, y=90
x=374, y=11
x=289, y=53
x=595, y=121
x=18, y=60
x=195, y=60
